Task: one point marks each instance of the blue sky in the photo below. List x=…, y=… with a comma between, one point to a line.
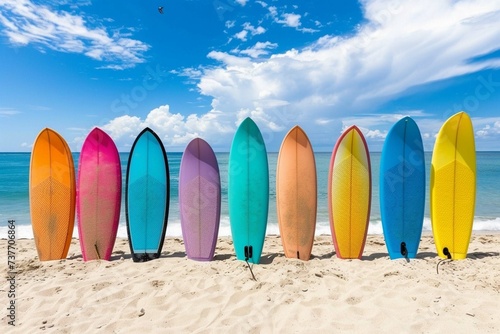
x=202, y=66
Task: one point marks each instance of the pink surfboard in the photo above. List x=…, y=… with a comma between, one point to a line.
x=99, y=188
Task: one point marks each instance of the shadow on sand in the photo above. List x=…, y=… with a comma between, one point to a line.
x=222, y=257
x=269, y=258
x=173, y=254
x=482, y=255
x=326, y=256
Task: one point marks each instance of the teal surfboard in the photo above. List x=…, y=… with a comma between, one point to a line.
x=147, y=196
x=248, y=191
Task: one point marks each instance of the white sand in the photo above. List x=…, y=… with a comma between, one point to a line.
x=326, y=294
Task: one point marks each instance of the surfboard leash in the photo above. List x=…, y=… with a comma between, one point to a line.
x=248, y=255
x=446, y=252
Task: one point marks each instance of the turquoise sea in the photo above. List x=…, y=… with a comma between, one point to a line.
x=14, y=194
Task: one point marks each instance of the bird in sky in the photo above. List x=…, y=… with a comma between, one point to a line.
x=160, y=9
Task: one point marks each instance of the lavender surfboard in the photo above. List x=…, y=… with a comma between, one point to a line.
x=199, y=200
x=99, y=189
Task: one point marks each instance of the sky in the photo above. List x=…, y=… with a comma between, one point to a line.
x=202, y=66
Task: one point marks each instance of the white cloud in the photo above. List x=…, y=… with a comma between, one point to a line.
x=174, y=129
x=290, y=20
x=309, y=30
x=375, y=134
x=259, y=49
x=485, y=131
x=341, y=80
x=27, y=22
x=253, y=30
x=488, y=127
x=248, y=28
x=192, y=73
x=242, y=35
x=336, y=76
x=273, y=11
x=262, y=3
x=7, y=112
x=259, y=116
x=242, y=2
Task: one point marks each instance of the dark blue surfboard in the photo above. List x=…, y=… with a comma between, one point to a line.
x=402, y=189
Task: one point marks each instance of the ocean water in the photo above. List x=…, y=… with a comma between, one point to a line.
x=14, y=194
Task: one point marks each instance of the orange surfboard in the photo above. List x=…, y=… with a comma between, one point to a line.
x=296, y=194
x=52, y=195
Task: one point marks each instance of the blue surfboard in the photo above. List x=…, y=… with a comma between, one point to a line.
x=147, y=196
x=402, y=189
x=248, y=191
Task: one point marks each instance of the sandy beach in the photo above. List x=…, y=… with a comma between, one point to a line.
x=325, y=295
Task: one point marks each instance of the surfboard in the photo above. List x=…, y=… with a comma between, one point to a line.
x=296, y=194
x=52, y=195
x=147, y=196
x=199, y=200
x=453, y=187
x=402, y=189
x=349, y=194
x=248, y=191
x=99, y=189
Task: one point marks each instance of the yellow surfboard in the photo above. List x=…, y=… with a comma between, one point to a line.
x=349, y=194
x=52, y=195
x=453, y=187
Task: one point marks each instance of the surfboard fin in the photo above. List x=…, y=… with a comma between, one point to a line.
x=144, y=257
x=97, y=252
x=404, y=250
x=446, y=252
x=248, y=252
